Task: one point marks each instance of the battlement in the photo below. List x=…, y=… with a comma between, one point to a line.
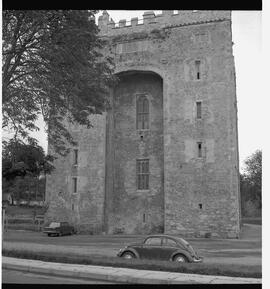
x=168, y=18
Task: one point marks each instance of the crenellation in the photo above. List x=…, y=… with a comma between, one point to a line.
x=134, y=21
x=167, y=13
x=122, y=23
x=148, y=17
x=152, y=21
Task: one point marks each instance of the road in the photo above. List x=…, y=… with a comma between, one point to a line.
x=19, y=277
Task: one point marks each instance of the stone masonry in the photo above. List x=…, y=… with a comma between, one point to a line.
x=183, y=62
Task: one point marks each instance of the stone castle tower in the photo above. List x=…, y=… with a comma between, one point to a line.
x=164, y=158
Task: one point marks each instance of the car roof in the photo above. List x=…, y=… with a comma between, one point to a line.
x=162, y=235
x=166, y=236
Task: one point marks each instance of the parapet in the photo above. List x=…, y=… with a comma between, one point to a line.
x=168, y=18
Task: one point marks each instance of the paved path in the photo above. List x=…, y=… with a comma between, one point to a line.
x=22, y=277
x=118, y=275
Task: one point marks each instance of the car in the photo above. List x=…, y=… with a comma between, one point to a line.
x=23, y=202
x=59, y=229
x=33, y=203
x=162, y=247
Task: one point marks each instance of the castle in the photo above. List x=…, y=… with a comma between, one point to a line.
x=164, y=157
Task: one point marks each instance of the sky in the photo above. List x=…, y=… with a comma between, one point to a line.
x=247, y=50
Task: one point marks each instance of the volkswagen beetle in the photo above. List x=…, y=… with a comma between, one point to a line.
x=162, y=247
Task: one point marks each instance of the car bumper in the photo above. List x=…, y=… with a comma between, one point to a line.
x=197, y=260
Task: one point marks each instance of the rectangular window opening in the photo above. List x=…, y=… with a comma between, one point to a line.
x=143, y=174
x=144, y=218
x=199, y=149
x=75, y=154
x=198, y=69
x=199, y=109
x=74, y=180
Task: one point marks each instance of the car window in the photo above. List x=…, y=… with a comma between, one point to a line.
x=64, y=224
x=54, y=225
x=169, y=242
x=184, y=241
x=155, y=241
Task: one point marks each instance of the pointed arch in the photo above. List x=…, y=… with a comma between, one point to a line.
x=142, y=109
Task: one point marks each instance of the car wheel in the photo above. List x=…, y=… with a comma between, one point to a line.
x=180, y=259
x=49, y=235
x=128, y=255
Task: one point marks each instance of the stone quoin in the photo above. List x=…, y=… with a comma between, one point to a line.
x=164, y=157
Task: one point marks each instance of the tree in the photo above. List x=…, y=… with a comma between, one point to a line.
x=22, y=165
x=20, y=159
x=52, y=66
x=251, y=180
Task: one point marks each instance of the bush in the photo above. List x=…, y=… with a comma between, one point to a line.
x=251, y=208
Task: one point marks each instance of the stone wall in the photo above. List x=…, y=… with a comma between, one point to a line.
x=130, y=210
x=84, y=209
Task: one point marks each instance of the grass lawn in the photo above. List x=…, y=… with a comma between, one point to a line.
x=234, y=270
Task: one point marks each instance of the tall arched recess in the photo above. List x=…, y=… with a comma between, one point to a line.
x=134, y=191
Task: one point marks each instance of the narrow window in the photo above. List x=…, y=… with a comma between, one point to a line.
x=199, y=149
x=144, y=218
x=75, y=156
x=143, y=174
x=142, y=112
x=74, y=181
x=199, y=109
x=198, y=69
x=72, y=207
